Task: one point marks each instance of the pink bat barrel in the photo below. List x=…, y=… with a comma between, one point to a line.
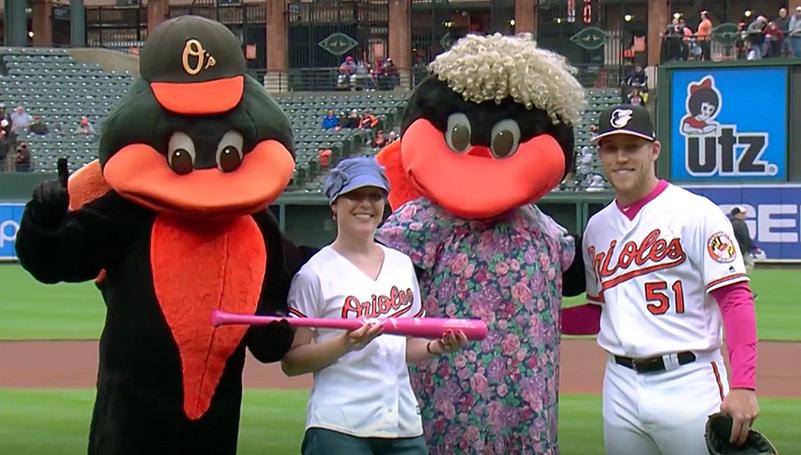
x=432, y=328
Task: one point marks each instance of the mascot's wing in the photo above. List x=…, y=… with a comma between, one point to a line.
x=401, y=189
x=86, y=184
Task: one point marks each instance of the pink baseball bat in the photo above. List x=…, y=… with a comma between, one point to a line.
x=474, y=329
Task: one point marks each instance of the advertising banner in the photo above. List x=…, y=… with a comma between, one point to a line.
x=10, y=216
x=773, y=214
x=728, y=124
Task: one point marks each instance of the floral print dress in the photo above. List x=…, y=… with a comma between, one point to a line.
x=497, y=396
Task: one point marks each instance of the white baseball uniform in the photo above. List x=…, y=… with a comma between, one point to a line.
x=652, y=275
x=365, y=393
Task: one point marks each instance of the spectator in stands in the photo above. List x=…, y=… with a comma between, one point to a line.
x=85, y=127
x=756, y=37
x=704, y=35
x=392, y=136
x=783, y=22
x=324, y=157
x=741, y=43
x=348, y=66
x=390, y=77
x=671, y=48
x=378, y=70
x=687, y=36
x=379, y=140
x=22, y=159
x=8, y=142
x=596, y=183
x=363, y=78
x=773, y=40
x=637, y=77
x=346, y=70
x=342, y=120
x=352, y=121
x=4, y=127
x=635, y=85
x=585, y=162
x=794, y=32
x=37, y=126
x=20, y=120
x=330, y=120
x=368, y=121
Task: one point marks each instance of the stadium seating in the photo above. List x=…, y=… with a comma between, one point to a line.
x=49, y=82
x=590, y=176
x=306, y=112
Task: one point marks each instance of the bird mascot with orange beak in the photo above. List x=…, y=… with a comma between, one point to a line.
x=173, y=219
x=484, y=137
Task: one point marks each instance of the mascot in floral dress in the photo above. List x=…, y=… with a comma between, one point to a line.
x=484, y=137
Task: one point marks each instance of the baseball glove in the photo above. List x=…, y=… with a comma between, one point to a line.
x=718, y=432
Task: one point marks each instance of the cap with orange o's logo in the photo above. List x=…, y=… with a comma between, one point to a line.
x=195, y=66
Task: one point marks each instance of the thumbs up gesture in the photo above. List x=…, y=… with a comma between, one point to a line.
x=51, y=198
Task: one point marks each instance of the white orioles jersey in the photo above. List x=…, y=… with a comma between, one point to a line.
x=653, y=274
x=365, y=393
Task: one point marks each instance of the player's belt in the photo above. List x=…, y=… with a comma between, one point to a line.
x=656, y=364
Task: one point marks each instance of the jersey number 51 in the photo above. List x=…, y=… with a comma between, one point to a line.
x=657, y=291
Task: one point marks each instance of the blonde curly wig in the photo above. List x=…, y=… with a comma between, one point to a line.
x=494, y=67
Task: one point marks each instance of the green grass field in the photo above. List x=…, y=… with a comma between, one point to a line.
x=32, y=310
x=55, y=422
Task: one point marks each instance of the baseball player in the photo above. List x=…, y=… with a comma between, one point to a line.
x=664, y=269
x=362, y=401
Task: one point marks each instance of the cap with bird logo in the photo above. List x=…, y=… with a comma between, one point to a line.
x=625, y=119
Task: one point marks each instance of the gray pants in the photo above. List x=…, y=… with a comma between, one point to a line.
x=795, y=45
x=320, y=441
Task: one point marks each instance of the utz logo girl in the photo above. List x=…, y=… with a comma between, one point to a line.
x=703, y=105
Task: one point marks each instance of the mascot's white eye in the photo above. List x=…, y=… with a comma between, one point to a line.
x=229, y=151
x=457, y=135
x=181, y=153
x=505, y=138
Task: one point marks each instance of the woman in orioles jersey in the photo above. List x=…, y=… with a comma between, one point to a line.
x=362, y=401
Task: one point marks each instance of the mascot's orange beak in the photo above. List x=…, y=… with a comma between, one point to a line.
x=473, y=184
x=140, y=173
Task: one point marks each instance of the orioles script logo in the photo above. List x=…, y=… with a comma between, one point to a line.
x=653, y=250
x=397, y=302
x=195, y=58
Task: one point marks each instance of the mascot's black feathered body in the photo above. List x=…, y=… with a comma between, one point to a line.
x=173, y=221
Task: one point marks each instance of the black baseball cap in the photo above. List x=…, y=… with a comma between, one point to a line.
x=625, y=119
x=194, y=66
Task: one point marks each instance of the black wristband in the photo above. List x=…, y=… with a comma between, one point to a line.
x=428, y=348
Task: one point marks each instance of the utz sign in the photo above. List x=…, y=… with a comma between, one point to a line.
x=729, y=125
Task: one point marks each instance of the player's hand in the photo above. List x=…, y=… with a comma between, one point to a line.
x=356, y=340
x=742, y=406
x=51, y=198
x=449, y=343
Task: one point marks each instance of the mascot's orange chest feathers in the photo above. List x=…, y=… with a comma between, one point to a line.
x=197, y=268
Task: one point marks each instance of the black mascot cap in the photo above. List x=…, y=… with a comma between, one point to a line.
x=190, y=58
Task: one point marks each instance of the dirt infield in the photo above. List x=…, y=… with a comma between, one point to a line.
x=73, y=364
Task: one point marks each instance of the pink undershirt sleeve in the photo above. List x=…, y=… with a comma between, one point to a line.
x=739, y=324
x=581, y=320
